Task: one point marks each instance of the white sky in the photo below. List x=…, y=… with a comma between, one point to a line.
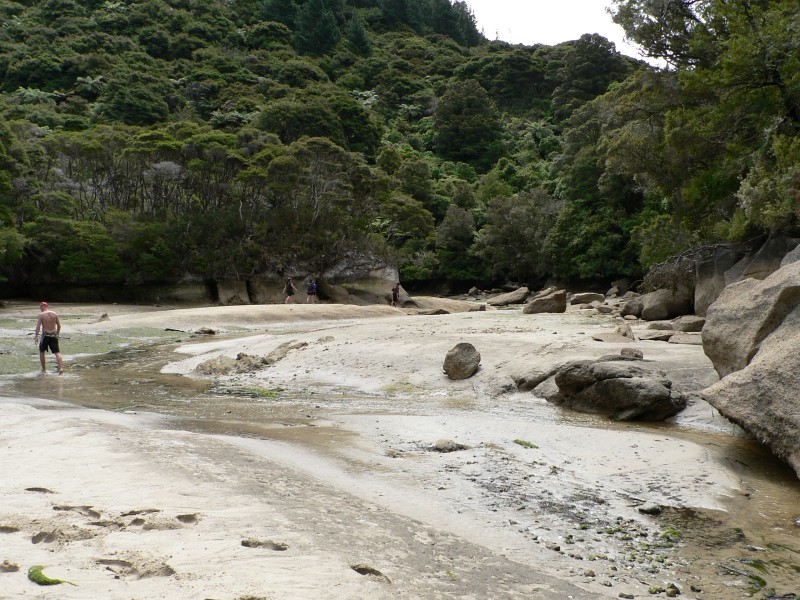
x=547, y=22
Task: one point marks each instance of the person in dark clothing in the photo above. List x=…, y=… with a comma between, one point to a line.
x=289, y=289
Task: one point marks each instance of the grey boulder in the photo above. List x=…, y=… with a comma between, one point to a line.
x=550, y=300
x=623, y=390
x=462, y=361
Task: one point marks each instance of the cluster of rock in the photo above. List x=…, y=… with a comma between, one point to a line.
x=653, y=306
x=744, y=308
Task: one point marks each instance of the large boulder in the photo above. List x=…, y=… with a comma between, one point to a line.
x=665, y=304
x=745, y=314
x=462, y=361
x=623, y=390
x=632, y=307
x=762, y=398
x=516, y=297
x=550, y=300
x=751, y=337
x=586, y=298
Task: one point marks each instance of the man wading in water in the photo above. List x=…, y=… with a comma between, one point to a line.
x=50, y=325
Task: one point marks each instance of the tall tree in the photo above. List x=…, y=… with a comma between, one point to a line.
x=466, y=125
x=357, y=35
x=316, y=31
x=280, y=11
x=589, y=66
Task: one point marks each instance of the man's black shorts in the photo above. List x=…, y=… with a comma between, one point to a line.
x=49, y=341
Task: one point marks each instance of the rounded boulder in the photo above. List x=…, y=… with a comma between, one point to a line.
x=462, y=361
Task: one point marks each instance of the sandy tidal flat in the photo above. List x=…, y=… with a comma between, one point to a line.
x=348, y=499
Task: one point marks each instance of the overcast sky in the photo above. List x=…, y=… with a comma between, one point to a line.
x=547, y=21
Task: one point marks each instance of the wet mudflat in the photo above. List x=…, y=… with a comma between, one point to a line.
x=526, y=501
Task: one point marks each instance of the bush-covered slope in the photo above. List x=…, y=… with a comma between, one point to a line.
x=143, y=141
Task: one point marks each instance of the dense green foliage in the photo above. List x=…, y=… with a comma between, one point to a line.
x=144, y=141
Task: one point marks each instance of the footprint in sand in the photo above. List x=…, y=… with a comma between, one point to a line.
x=363, y=569
x=86, y=511
x=136, y=566
x=277, y=546
x=143, y=511
x=8, y=529
x=190, y=518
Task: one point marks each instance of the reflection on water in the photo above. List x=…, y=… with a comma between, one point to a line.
x=753, y=548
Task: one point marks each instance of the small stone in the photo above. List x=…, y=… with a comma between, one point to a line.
x=553, y=547
x=445, y=446
x=628, y=596
x=650, y=509
x=589, y=573
x=632, y=353
x=754, y=548
x=673, y=591
x=9, y=567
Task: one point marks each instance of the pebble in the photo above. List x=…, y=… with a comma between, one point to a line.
x=553, y=547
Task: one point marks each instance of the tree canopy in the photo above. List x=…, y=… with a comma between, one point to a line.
x=149, y=140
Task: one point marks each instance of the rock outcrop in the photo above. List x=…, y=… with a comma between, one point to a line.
x=729, y=264
x=709, y=277
x=751, y=336
x=617, y=386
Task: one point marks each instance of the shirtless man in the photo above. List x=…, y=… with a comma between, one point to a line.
x=50, y=326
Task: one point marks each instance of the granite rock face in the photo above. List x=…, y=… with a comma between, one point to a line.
x=752, y=334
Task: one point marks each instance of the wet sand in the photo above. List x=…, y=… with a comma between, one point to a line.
x=315, y=478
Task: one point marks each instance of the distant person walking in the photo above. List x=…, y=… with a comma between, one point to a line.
x=396, y=294
x=311, y=292
x=289, y=289
x=50, y=326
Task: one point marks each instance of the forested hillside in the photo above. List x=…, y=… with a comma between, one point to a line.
x=144, y=141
